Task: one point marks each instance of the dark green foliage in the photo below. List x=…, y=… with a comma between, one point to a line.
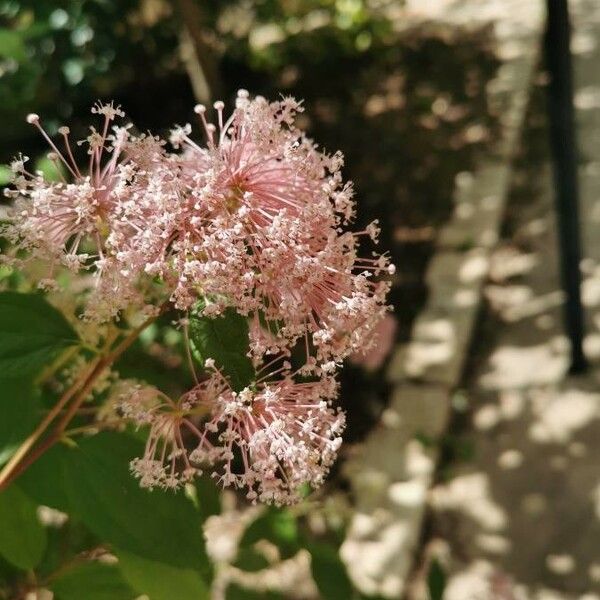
x=436, y=580
x=94, y=581
x=22, y=537
x=225, y=340
x=32, y=334
x=162, y=581
x=156, y=525
x=277, y=525
x=20, y=411
x=329, y=572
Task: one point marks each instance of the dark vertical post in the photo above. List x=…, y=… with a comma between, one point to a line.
x=562, y=138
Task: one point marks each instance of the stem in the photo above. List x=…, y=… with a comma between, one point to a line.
x=82, y=557
x=188, y=353
x=21, y=460
x=30, y=441
x=197, y=55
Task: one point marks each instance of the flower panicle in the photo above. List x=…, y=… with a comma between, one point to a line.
x=255, y=218
x=270, y=440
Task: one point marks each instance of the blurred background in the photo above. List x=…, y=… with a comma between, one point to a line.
x=469, y=469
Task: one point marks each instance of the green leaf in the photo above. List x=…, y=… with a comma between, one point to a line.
x=22, y=537
x=20, y=411
x=11, y=45
x=92, y=581
x=32, y=334
x=5, y=175
x=436, y=581
x=44, y=480
x=208, y=497
x=248, y=559
x=161, y=581
x=329, y=572
x=160, y=526
x=225, y=340
x=277, y=525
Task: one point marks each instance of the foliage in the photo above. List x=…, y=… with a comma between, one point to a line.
x=436, y=580
x=22, y=537
x=32, y=334
x=225, y=340
x=155, y=536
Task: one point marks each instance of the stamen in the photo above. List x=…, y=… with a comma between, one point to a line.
x=34, y=119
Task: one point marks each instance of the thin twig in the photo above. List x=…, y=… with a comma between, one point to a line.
x=197, y=55
x=24, y=448
x=25, y=455
x=188, y=353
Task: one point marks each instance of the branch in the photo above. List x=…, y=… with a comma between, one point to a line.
x=197, y=56
x=24, y=457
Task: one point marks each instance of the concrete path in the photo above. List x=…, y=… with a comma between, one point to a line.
x=520, y=518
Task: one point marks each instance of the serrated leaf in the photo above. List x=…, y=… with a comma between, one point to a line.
x=161, y=581
x=224, y=339
x=22, y=537
x=92, y=581
x=329, y=572
x=158, y=525
x=20, y=411
x=32, y=334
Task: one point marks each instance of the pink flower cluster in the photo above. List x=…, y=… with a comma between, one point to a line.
x=254, y=219
x=271, y=439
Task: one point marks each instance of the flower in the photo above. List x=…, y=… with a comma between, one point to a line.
x=255, y=220
x=67, y=222
x=259, y=226
x=58, y=215
x=165, y=462
x=272, y=439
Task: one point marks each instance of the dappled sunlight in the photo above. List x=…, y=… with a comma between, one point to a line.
x=529, y=502
x=507, y=262
x=435, y=346
x=518, y=503
x=470, y=494
x=558, y=415
x=517, y=366
x=376, y=544
x=583, y=43
x=479, y=580
x=587, y=98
